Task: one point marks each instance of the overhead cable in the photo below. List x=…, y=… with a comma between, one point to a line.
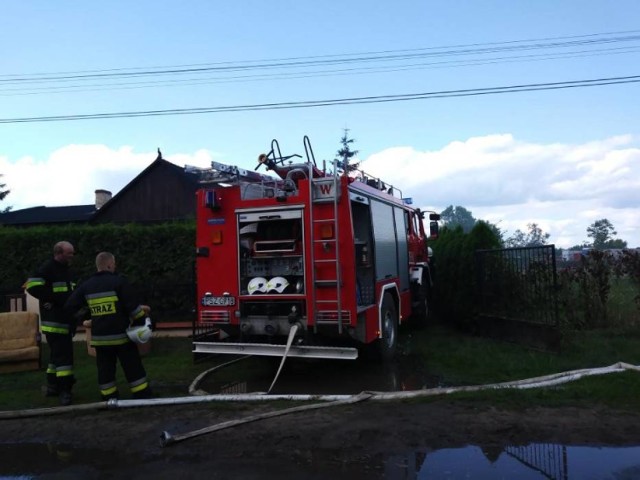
x=334, y=102
x=181, y=82
x=328, y=60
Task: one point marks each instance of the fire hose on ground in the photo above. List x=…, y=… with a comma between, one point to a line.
x=199, y=396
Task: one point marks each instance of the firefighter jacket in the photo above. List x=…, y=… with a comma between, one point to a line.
x=112, y=305
x=52, y=285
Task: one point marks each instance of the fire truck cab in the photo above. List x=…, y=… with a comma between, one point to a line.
x=337, y=253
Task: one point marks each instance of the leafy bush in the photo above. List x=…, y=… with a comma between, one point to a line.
x=628, y=266
x=596, y=292
x=455, y=289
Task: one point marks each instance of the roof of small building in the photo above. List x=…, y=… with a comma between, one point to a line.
x=47, y=215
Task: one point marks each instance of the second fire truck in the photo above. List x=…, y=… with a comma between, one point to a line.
x=337, y=253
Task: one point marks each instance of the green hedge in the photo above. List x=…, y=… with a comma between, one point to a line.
x=455, y=267
x=157, y=259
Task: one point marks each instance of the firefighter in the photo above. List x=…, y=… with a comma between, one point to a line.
x=113, y=308
x=52, y=285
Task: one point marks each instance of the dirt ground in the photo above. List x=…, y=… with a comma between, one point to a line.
x=353, y=441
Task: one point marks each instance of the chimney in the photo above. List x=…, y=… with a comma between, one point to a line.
x=102, y=197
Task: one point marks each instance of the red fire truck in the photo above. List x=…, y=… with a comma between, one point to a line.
x=335, y=252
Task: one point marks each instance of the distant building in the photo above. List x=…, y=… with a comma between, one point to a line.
x=161, y=192
x=571, y=255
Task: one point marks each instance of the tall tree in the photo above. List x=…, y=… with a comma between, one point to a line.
x=535, y=237
x=3, y=194
x=345, y=154
x=458, y=216
x=602, y=232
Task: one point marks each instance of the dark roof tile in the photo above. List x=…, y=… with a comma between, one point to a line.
x=43, y=215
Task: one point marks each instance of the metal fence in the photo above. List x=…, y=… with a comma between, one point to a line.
x=519, y=284
x=517, y=296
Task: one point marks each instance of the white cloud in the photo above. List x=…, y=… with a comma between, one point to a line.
x=562, y=188
x=71, y=174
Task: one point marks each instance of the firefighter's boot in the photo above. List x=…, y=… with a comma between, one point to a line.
x=52, y=389
x=106, y=398
x=65, y=398
x=143, y=394
x=65, y=384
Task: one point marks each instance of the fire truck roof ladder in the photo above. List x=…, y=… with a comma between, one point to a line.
x=377, y=183
x=333, y=283
x=230, y=174
x=253, y=184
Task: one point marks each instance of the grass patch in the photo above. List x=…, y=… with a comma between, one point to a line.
x=469, y=360
x=622, y=310
x=169, y=366
x=454, y=358
x=463, y=359
x=613, y=390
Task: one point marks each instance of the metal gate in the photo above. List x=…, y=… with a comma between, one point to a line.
x=517, y=292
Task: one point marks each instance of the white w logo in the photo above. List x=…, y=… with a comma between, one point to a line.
x=325, y=188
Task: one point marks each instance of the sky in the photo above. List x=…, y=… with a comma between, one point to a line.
x=558, y=157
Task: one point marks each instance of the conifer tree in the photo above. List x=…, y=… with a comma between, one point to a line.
x=345, y=154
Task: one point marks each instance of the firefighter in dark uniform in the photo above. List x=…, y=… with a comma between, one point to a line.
x=52, y=285
x=113, y=308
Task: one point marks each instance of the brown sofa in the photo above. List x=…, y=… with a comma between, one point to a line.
x=19, y=342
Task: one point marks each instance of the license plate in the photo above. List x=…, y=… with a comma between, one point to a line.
x=218, y=301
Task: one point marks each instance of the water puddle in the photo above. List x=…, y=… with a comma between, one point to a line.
x=322, y=377
x=33, y=460
x=536, y=461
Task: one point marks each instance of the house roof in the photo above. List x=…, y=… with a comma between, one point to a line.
x=159, y=162
x=44, y=215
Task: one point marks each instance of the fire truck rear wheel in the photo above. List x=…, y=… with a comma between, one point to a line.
x=388, y=343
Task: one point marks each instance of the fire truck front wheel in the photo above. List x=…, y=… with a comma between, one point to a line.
x=421, y=301
x=388, y=343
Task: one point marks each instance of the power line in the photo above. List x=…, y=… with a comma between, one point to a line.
x=344, y=54
x=328, y=60
x=19, y=91
x=333, y=102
